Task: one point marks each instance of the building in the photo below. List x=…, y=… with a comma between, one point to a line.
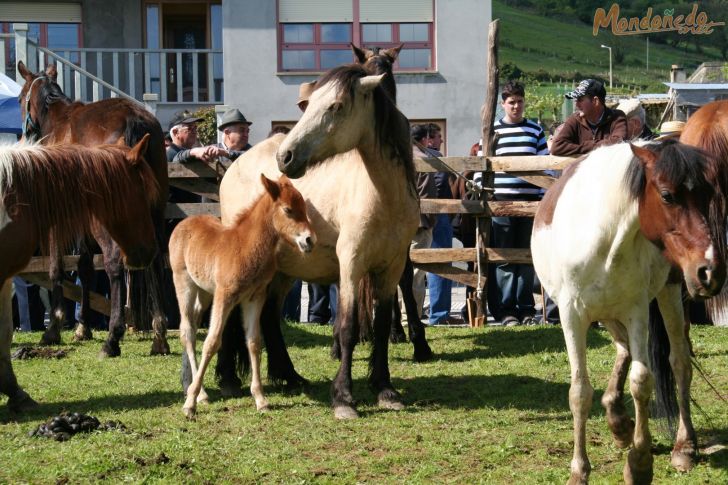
x=253, y=54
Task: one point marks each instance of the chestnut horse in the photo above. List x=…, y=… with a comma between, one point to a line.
x=60, y=192
x=51, y=117
x=232, y=266
x=614, y=232
x=351, y=157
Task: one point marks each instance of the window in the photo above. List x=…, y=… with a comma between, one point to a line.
x=314, y=35
x=55, y=36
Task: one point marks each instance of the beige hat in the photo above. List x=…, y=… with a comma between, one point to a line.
x=630, y=107
x=670, y=129
x=304, y=91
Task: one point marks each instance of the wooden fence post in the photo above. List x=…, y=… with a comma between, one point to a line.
x=488, y=118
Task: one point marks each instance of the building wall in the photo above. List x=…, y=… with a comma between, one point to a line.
x=454, y=93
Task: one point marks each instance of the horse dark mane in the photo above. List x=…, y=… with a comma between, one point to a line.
x=67, y=184
x=49, y=92
x=392, y=127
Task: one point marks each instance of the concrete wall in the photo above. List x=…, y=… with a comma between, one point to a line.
x=454, y=93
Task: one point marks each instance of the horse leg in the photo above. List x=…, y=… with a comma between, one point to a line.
x=229, y=355
x=638, y=468
x=396, y=332
x=19, y=401
x=115, y=271
x=192, y=304
x=346, y=322
x=580, y=393
x=379, y=379
x=160, y=346
x=621, y=425
x=52, y=335
x=685, y=450
x=221, y=306
x=85, y=274
x=416, y=328
x=251, y=319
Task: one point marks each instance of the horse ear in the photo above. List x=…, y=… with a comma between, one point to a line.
x=135, y=154
x=368, y=83
x=24, y=72
x=647, y=157
x=52, y=72
x=393, y=52
x=271, y=186
x=360, y=54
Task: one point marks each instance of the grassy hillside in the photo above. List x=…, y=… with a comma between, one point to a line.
x=564, y=49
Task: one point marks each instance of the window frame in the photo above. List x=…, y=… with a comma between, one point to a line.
x=316, y=46
x=395, y=26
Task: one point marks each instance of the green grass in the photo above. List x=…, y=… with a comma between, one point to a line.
x=491, y=409
x=562, y=47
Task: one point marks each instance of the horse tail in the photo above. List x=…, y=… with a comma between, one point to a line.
x=365, y=308
x=145, y=287
x=665, y=404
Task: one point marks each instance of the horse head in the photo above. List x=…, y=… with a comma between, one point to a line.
x=681, y=210
x=39, y=89
x=340, y=112
x=132, y=228
x=289, y=213
x=379, y=61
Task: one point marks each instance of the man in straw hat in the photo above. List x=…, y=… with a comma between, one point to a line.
x=235, y=131
x=636, y=120
x=671, y=129
x=593, y=125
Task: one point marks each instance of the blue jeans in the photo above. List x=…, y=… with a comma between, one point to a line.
x=292, y=304
x=513, y=289
x=322, y=303
x=21, y=293
x=440, y=288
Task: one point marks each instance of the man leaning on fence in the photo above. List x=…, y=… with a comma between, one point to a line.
x=593, y=125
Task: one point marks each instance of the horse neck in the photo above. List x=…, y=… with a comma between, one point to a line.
x=55, y=125
x=254, y=225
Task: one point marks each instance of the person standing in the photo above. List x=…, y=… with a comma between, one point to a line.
x=637, y=128
x=593, y=125
x=511, y=298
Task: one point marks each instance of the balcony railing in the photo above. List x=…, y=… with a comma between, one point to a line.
x=182, y=76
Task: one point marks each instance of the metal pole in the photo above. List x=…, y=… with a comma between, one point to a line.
x=610, y=63
x=647, y=68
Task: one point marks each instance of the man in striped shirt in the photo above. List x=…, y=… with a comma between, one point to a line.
x=511, y=298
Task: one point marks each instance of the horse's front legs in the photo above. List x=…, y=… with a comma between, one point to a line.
x=685, y=450
x=251, y=319
x=379, y=379
x=19, y=400
x=621, y=425
x=575, y=328
x=115, y=271
x=416, y=328
x=52, y=335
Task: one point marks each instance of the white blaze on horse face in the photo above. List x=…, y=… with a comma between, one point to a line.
x=709, y=253
x=305, y=241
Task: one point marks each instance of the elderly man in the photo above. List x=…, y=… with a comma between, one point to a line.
x=183, y=131
x=593, y=125
x=636, y=125
x=235, y=131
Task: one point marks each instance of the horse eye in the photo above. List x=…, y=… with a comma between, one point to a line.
x=335, y=108
x=667, y=197
x=288, y=211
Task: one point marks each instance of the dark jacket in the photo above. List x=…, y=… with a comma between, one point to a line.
x=576, y=136
x=426, y=189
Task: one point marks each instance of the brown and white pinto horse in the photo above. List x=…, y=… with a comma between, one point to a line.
x=351, y=157
x=60, y=192
x=51, y=117
x=608, y=236
x=233, y=266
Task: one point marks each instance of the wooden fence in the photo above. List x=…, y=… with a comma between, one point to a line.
x=203, y=179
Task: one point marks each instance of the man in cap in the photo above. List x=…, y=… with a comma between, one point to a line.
x=183, y=131
x=636, y=120
x=235, y=131
x=593, y=125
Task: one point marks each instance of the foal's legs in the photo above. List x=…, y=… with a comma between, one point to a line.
x=686, y=444
x=19, y=400
x=619, y=422
x=251, y=320
x=192, y=304
x=222, y=304
x=115, y=271
x=638, y=468
x=575, y=328
x=85, y=274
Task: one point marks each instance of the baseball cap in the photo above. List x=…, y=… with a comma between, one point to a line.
x=183, y=117
x=590, y=87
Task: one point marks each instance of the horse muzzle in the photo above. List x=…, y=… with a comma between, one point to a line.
x=306, y=242
x=706, y=280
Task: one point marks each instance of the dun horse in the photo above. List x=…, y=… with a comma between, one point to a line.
x=231, y=266
x=614, y=232
x=352, y=159
x=51, y=117
x=61, y=192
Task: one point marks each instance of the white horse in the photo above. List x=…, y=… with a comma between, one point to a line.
x=612, y=234
x=351, y=158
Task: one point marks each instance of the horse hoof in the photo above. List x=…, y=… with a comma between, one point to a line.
x=391, y=404
x=160, y=348
x=683, y=460
x=21, y=402
x=82, y=333
x=262, y=407
x=189, y=413
x=108, y=352
x=423, y=354
x=397, y=338
x=345, y=412
x=50, y=339
x=203, y=399
x=578, y=479
x=231, y=391
x=638, y=468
